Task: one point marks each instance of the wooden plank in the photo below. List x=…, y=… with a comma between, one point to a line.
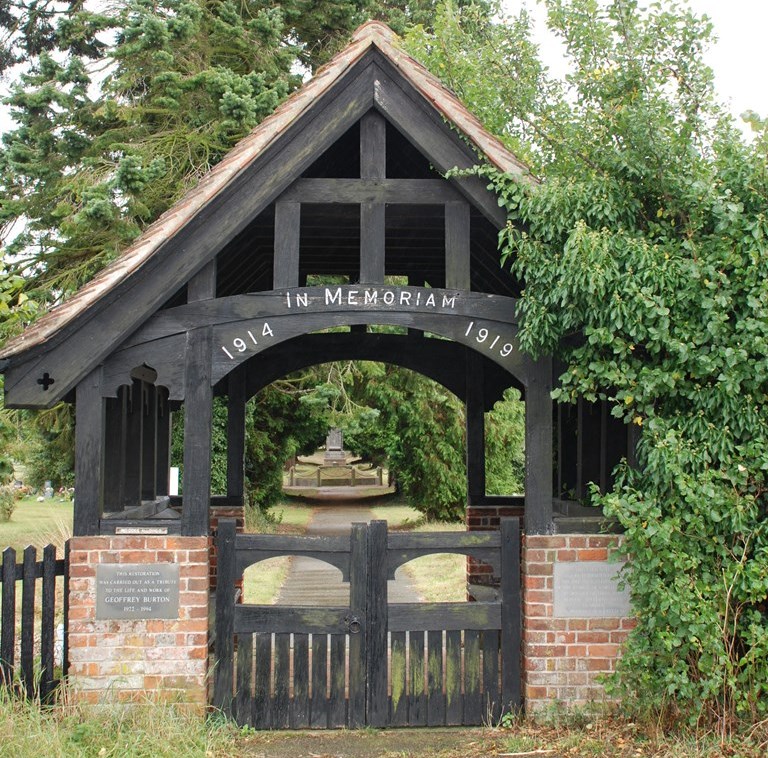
x=454, y=700
x=65, y=652
x=89, y=451
x=475, y=427
x=373, y=146
x=47, y=619
x=115, y=410
x=372, y=243
x=399, y=697
x=134, y=422
x=491, y=694
x=435, y=696
x=417, y=695
x=300, y=702
x=224, y=615
x=538, y=449
x=377, y=623
x=198, y=413
x=381, y=190
x=262, y=686
x=27, y=653
x=243, y=710
x=202, y=286
x=358, y=625
x=511, y=621
x=473, y=704
x=319, y=706
x=236, y=401
x=281, y=713
x=287, y=239
x=149, y=443
x=299, y=619
x=437, y=616
x=337, y=703
x=457, y=255
x=8, y=616
x=163, y=449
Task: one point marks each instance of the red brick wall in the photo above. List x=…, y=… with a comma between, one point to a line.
x=130, y=660
x=236, y=512
x=483, y=519
x=563, y=658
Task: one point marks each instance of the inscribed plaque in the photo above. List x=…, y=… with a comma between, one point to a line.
x=137, y=591
x=588, y=589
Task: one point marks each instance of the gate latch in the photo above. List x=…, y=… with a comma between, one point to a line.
x=353, y=624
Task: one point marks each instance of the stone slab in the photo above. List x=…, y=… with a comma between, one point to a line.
x=137, y=591
x=588, y=589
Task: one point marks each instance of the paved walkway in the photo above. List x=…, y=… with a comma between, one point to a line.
x=311, y=582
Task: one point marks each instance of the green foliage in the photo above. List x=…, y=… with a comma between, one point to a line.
x=7, y=502
x=505, y=446
x=48, y=448
x=647, y=238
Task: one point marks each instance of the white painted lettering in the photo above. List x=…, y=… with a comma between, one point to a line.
x=288, y=299
x=405, y=297
x=389, y=297
x=253, y=339
x=266, y=331
x=371, y=297
x=333, y=297
x=352, y=297
x=430, y=300
x=302, y=299
x=418, y=298
x=449, y=302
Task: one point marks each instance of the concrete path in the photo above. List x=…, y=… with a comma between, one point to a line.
x=311, y=582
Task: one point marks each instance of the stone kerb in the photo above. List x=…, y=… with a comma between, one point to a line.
x=566, y=651
x=135, y=659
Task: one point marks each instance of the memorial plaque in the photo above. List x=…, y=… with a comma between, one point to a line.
x=141, y=530
x=137, y=591
x=589, y=589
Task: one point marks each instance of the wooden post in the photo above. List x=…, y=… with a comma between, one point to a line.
x=114, y=450
x=236, y=391
x=163, y=457
x=225, y=615
x=511, y=625
x=202, y=286
x=475, y=426
x=89, y=454
x=149, y=443
x=457, y=254
x=358, y=624
x=377, y=624
x=287, y=240
x=373, y=165
x=134, y=421
x=538, y=450
x=198, y=413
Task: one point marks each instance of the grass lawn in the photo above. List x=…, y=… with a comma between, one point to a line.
x=37, y=524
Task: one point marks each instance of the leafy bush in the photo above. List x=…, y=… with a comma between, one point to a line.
x=7, y=502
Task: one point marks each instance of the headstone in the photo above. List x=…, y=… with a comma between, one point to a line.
x=334, y=447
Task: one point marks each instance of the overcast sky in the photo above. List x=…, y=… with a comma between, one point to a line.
x=739, y=57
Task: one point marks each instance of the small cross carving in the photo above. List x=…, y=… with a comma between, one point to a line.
x=46, y=381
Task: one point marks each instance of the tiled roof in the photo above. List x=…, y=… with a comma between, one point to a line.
x=372, y=34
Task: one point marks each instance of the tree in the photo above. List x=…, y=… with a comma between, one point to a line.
x=647, y=239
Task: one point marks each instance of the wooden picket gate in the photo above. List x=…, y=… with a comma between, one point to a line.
x=372, y=663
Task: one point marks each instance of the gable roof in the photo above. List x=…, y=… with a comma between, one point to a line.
x=373, y=34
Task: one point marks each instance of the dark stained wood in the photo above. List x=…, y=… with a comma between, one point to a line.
x=163, y=449
x=243, y=694
x=372, y=217
x=202, y=286
x=417, y=700
x=372, y=190
x=457, y=259
x=282, y=662
x=360, y=626
x=376, y=668
x=65, y=608
x=473, y=704
x=491, y=694
x=47, y=619
x=300, y=701
x=262, y=692
x=373, y=146
x=319, y=704
x=236, y=400
x=437, y=616
x=337, y=704
x=134, y=423
x=454, y=699
x=149, y=443
x=27, y=652
x=435, y=696
x=89, y=450
x=511, y=620
x=225, y=615
x=198, y=412
x=475, y=425
x=8, y=616
x=287, y=235
x=114, y=450
x=299, y=619
x=538, y=450
x=398, y=677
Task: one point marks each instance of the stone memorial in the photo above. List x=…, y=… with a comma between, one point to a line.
x=588, y=589
x=137, y=591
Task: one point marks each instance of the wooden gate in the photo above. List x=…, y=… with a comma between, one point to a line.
x=371, y=663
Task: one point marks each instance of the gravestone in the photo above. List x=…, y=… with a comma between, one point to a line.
x=334, y=448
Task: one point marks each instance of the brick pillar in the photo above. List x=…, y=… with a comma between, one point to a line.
x=236, y=512
x=485, y=518
x=565, y=655
x=128, y=660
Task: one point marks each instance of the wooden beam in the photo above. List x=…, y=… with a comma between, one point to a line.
x=390, y=191
x=287, y=238
x=163, y=450
x=133, y=442
x=538, y=450
x=149, y=443
x=202, y=286
x=114, y=449
x=198, y=414
x=373, y=165
x=236, y=400
x=475, y=425
x=373, y=146
x=457, y=255
x=89, y=454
